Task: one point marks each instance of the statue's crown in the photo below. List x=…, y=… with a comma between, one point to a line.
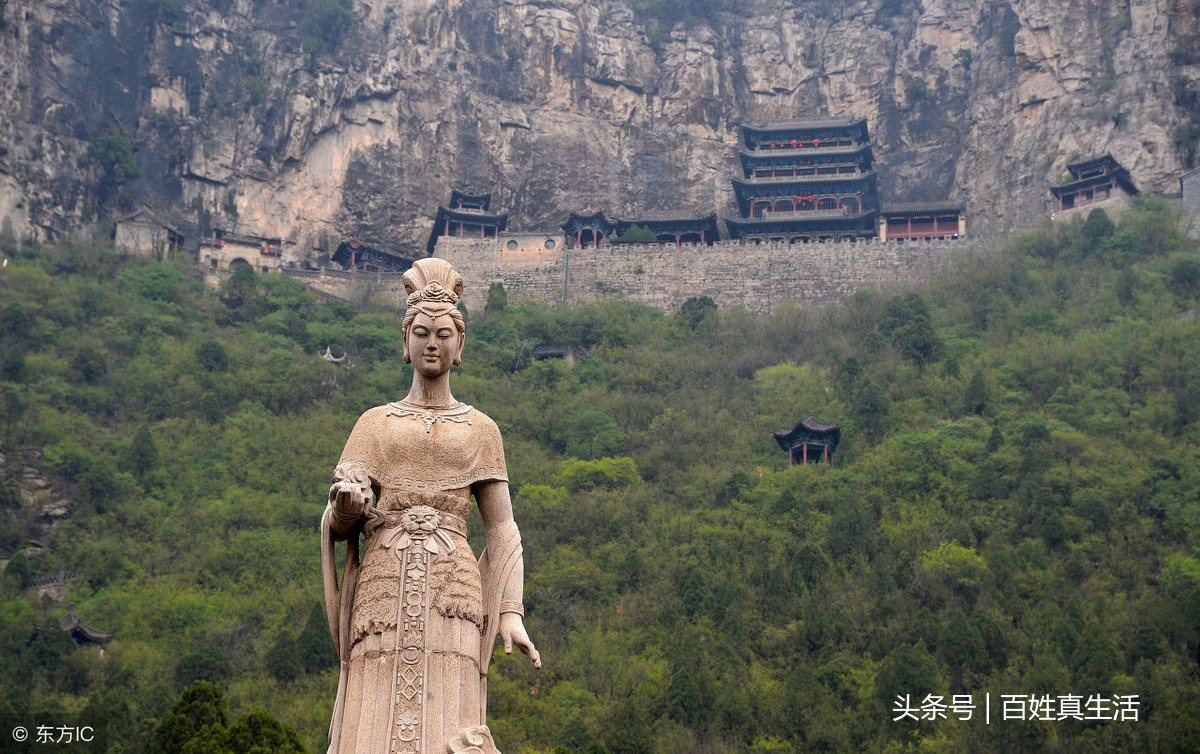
x=432, y=281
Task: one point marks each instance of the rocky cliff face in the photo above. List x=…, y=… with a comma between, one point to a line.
x=312, y=122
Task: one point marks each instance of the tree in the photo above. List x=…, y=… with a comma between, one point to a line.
x=995, y=440
x=497, y=299
x=314, y=645
x=1184, y=273
x=257, y=732
x=911, y=671
x=282, y=661
x=325, y=23
x=689, y=697
x=976, y=399
x=849, y=373
x=961, y=647
x=952, y=566
x=627, y=731
x=89, y=365
x=240, y=291
x=696, y=310
x=693, y=590
x=871, y=407
x=637, y=234
x=112, y=151
x=575, y=736
x=142, y=456
x=10, y=494
x=202, y=664
x=1095, y=659
x=907, y=324
x=592, y=433
x=14, y=321
x=200, y=706
x=605, y=473
x=18, y=570
x=1097, y=227
x=212, y=356
x=852, y=531
x=12, y=366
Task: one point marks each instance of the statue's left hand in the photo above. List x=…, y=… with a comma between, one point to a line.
x=512, y=631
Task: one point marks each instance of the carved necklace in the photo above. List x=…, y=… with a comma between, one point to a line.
x=429, y=414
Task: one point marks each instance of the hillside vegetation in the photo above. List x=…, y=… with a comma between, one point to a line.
x=1014, y=508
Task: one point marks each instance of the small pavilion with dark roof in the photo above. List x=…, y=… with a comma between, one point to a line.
x=810, y=438
x=589, y=227
x=80, y=631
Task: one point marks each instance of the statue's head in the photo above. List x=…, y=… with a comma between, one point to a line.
x=433, y=289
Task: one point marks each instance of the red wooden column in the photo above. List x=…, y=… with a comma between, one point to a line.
x=806, y=454
x=579, y=238
x=677, y=240
x=935, y=228
x=702, y=236
x=827, y=454
x=908, y=234
x=791, y=460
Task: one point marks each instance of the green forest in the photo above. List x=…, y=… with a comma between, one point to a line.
x=1014, y=508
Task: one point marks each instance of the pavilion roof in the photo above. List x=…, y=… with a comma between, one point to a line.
x=484, y=200
x=913, y=208
x=805, y=179
x=480, y=217
x=588, y=218
x=149, y=215
x=832, y=221
x=1096, y=161
x=1120, y=176
x=806, y=124
x=369, y=255
x=74, y=625
x=247, y=239
x=670, y=216
x=766, y=154
x=808, y=428
x=801, y=218
x=552, y=352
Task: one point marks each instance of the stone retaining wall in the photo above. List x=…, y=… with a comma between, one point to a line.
x=757, y=277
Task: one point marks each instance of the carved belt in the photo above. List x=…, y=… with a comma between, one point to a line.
x=420, y=525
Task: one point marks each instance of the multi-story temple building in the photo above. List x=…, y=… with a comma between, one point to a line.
x=804, y=181
x=467, y=215
x=1094, y=180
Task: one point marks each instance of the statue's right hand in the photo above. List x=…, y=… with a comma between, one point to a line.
x=347, y=498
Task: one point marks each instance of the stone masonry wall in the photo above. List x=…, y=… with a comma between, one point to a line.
x=756, y=277
x=352, y=286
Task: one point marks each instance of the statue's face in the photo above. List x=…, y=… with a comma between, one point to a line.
x=433, y=344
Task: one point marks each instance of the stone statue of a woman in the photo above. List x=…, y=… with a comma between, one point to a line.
x=415, y=618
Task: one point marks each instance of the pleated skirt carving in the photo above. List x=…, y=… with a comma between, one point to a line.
x=413, y=680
